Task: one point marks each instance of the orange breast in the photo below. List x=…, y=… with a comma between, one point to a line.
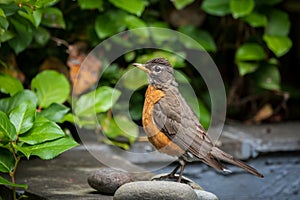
x=159, y=140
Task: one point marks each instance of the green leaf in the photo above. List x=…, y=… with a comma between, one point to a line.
x=279, y=23
x=23, y=35
x=42, y=130
x=246, y=67
x=110, y=23
x=202, y=37
x=55, y=112
x=133, y=6
x=268, y=77
x=250, y=52
x=49, y=150
x=216, y=7
x=68, y=118
x=134, y=78
x=8, y=104
x=41, y=36
x=100, y=100
x=133, y=22
x=7, y=129
x=6, y=35
x=34, y=16
x=50, y=87
x=120, y=125
x=204, y=115
x=179, y=4
x=53, y=17
x=279, y=45
x=241, y=8
x=10, y=85
x=7, y=161
x=256, y=19
x=3, y=181
x=90, y=4
x=3, y=21
x=23, y=116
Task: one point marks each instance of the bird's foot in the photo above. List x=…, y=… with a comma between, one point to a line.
x=168, y=177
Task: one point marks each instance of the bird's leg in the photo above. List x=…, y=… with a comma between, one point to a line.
x=171, y=175
x=182, y=166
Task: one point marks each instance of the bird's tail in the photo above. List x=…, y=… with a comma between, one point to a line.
x=219, y=154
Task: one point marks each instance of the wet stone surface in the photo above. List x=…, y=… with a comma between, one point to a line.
x=155, y=190
x=107, y=181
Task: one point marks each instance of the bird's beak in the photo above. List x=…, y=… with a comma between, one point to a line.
x=142, y=67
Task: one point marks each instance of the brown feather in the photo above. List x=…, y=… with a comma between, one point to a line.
x=219, y=154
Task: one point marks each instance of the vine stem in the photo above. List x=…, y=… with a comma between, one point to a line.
x=13, y=172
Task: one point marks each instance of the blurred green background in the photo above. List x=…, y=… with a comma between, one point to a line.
x=254, y=43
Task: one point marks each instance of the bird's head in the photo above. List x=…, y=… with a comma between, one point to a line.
x=160, y=72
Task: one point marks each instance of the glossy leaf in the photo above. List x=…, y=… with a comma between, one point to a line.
x=7, y=129
x=204, y=115
x=3, y=21
x=34, y=16
x=23, y=35
x=9, y=103
x=7, y=161
x=96, y=101
x=50, y=87
x=202, y=37
x=3, y=181
x=179, y=4
x=55, y=112
x=43, y=130
x=41, y=36
x=240, y=8
x=10, y=85
x=53, y=17
x=216, y=7
x=90, y=4
x=268, y=77
x=278, y=24
x=50, y=149
x=6, y=35
x=279, y=45
x=134, y=78
x=120, y=125
x=250, y=52
x=246, y=67
x=256, y=19
x=110, y=23
x=133, y=6
x=23, y=117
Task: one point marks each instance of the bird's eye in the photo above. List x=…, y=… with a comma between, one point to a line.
x=157, y=68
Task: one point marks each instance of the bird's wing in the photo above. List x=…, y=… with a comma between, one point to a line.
x=175, y=118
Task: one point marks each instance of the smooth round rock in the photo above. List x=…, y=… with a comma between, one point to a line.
x=107, y=181
x=155, y=190
x=203, y=195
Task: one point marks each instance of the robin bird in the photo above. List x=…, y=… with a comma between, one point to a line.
x=171, y=125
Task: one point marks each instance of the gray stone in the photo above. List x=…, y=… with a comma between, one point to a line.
x=155, y=190
x=107, y=181
x=203, y=195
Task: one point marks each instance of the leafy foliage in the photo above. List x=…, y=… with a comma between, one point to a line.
x=23, y=133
